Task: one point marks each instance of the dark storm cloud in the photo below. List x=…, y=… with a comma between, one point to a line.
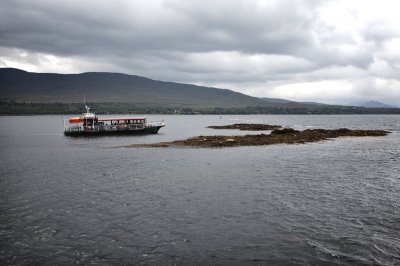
x=124, y=28
x=211, y=42
x=54, y=27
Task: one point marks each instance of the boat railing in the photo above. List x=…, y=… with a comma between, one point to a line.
x=80, y=128
x=73, y=128
x=155, y=124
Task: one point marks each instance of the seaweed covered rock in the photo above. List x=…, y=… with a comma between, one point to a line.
x=249, y=127
x=284, y=136
x=284, y=131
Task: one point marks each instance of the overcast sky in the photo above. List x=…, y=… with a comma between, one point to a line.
x=311, y=50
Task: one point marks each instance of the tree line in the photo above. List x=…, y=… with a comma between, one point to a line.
x=30, y=108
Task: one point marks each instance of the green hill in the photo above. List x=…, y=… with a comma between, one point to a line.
x=24, y=92
x=21, y=86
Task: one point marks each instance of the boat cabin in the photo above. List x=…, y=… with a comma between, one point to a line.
x=90, y=123
x=122, y=121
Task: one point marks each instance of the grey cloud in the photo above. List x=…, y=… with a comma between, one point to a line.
x=213, y=42
x=68, y=29
x=366, y=86
x=379, y=33
x=184, y=26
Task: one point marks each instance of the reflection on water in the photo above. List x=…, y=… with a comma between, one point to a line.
x=81, y=200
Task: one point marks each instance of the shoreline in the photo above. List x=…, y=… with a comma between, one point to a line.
x=277, y=136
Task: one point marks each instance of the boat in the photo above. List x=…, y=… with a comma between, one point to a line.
x=88, y=124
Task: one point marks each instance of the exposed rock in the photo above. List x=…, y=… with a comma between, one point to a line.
x=284, y=131
x=287, y=135
x=250, y=127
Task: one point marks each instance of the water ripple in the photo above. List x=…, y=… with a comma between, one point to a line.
x=69, y=201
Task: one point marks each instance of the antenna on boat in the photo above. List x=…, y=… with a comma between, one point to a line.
x=87, y=107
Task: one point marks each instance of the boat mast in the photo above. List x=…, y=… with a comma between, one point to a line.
x=87, y=109
x=86, y=106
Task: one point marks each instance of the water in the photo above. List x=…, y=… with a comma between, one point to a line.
x=90, y=201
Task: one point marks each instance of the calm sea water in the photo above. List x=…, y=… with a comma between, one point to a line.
x=89, y=201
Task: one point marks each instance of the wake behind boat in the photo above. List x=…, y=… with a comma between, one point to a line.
x=88, y=124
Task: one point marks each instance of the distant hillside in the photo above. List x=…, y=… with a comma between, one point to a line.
x=18, y=85
x=275, y=100
x=376, y=104
x=24, y=92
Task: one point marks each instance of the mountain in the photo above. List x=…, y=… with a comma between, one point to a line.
x=21, y=86
x=276, y=100
x=23, y=92
x=376, y=104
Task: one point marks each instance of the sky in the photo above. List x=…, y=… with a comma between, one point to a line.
x=328, y=51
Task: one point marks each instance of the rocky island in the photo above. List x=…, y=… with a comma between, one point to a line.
x=277, y=136
x=244, y=126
